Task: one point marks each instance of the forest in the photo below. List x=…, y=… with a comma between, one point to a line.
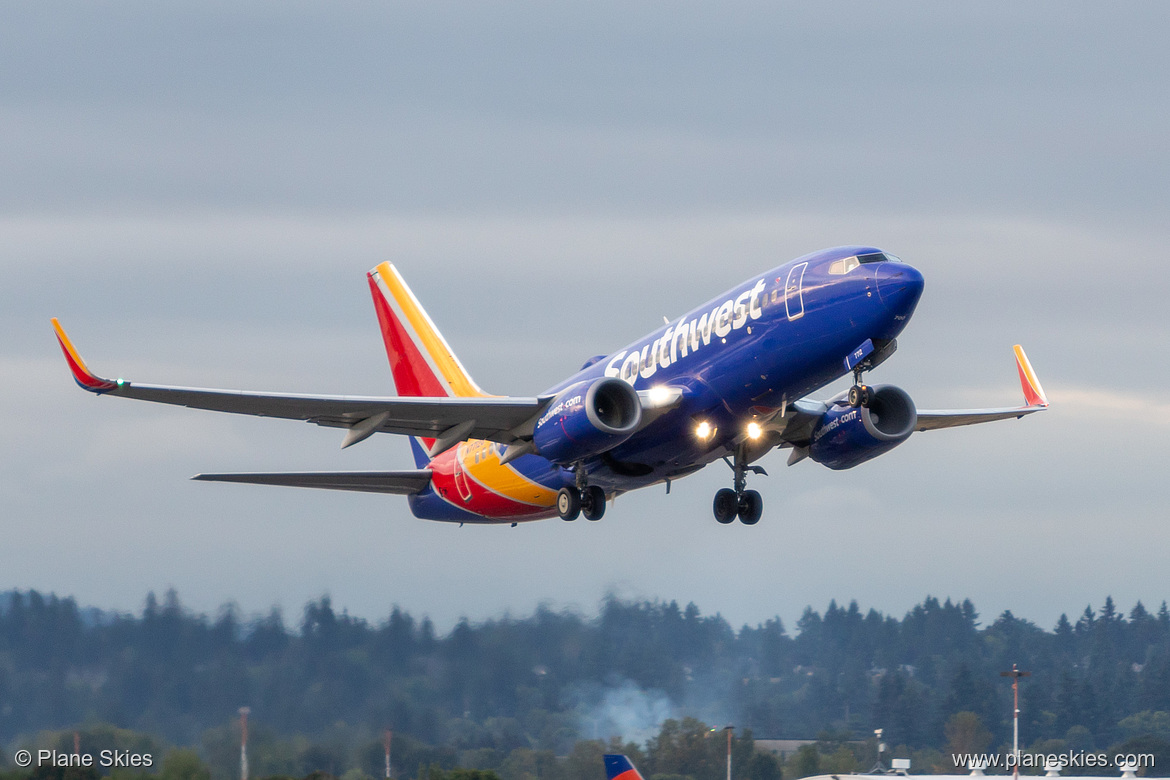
x=544, y=695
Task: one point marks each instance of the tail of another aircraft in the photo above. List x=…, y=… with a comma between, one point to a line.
x=620, y=768
x=421, y=361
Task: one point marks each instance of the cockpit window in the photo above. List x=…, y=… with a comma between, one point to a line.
x=878, y=257
x=844, y=266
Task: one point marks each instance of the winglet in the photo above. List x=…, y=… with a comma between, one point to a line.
x=85, y=378
x=618, y=766
x=1033, y=392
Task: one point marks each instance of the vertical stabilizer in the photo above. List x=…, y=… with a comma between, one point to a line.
x=421, y=361
x=618, y=767
x=420, y=358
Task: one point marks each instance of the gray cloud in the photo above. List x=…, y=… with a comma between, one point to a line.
x=197, y=191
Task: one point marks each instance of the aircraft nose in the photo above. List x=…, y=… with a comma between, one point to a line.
x=899, y=285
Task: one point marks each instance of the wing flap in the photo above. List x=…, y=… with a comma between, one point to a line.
x=401, y=483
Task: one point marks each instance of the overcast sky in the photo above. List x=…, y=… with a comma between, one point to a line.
x=197, y=190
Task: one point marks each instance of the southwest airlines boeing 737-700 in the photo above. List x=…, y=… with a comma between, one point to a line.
x=728, y=381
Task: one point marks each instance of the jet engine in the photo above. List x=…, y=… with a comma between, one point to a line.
x=588, y=418
x=847, y=435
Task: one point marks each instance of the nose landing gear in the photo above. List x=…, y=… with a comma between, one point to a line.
x=860, y=395
x=729, y=503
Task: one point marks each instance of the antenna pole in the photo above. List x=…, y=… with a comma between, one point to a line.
x=244, y=742
x=1015, y=674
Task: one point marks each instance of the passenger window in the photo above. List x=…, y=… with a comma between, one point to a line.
x=840, y=267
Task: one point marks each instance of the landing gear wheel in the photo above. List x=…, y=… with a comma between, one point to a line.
x=750, y=507
x=860, y=395
x=568, y=503
x=592, y=502
x=726, y=505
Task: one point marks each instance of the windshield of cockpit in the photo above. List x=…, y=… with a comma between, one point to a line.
x=847, y=264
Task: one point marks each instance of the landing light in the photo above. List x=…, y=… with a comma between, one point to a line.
x=754, y=431
x=659, y=395
x=703, y=430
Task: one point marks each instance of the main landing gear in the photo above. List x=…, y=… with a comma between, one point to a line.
x=729, y=503
x=582, y=498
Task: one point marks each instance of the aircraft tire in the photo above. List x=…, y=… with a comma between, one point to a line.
x=855, y=396
x=593, y=502
x=568, y=503
x=726, y=505
x=751, y=507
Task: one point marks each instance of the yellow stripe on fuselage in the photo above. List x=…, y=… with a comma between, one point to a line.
x=481, y=461
x=432, y=341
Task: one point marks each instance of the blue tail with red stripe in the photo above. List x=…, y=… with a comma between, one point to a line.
x=620, y=768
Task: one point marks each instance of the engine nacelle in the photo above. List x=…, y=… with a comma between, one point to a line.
x=847, y=436
x=586, y=419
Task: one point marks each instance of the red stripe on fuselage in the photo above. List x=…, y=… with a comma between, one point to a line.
x=468, y=494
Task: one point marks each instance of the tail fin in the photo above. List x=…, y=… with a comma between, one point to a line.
x=1033, y=392
x=420, y=358
x=418, y=450
x=619, y=767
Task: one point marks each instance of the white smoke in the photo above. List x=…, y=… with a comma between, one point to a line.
x=626, y=710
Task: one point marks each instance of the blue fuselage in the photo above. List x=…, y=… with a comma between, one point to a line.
x=773, y=339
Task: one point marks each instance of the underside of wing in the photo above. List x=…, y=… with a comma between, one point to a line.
x=495, y=419
x=500, y=419
x=934, y=419
x=802, y=417
x=397, y=482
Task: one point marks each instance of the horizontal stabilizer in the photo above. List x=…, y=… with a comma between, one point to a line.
x=398, y=482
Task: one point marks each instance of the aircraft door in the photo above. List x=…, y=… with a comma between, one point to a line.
x=461, y=476
x=794, y=292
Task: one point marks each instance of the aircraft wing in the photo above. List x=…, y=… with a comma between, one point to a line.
x=933, y=419
x=1034, y=401
x=500, y=419
x=801, y=416
x=403, y=483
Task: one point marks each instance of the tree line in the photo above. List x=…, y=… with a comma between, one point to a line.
x=322, y=690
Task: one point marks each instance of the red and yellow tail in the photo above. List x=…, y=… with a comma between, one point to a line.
x=420, y=358
x=421, y=361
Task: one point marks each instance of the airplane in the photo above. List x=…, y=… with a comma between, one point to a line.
x=728, y=380
x=619, y=767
